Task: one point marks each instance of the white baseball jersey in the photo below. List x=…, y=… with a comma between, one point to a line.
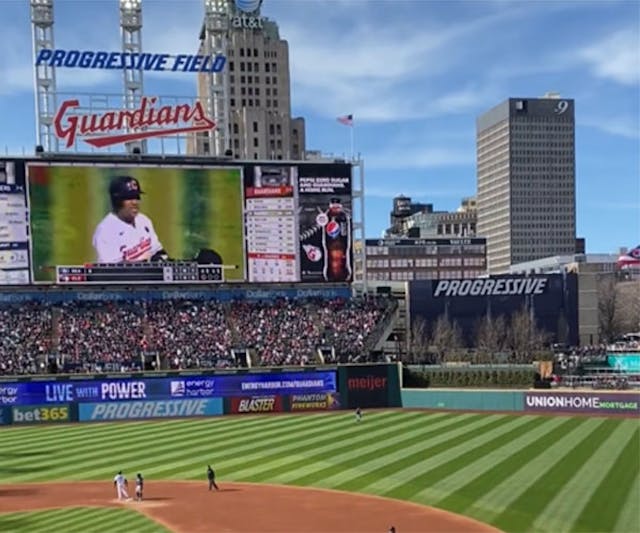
x=116, y=241
x=119, y=480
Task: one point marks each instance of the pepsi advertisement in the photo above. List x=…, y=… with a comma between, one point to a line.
x=298, y=222
x=131, y=389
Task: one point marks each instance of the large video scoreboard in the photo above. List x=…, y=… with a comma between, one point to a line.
x=256, y=222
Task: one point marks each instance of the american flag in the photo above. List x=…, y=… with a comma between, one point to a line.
x=347, y=120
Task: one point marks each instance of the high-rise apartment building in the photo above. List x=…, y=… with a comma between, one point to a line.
x=259, y=91
x=526, y=180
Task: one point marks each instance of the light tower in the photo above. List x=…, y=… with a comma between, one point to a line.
x=44, y=75
x=216, y=32
x=131, y=33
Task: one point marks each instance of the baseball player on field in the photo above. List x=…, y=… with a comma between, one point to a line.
x=126, y=235
x=120, y=483
x=139, y=486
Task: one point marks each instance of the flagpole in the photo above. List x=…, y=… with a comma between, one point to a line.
x=351, y=140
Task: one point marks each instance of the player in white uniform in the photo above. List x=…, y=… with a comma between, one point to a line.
x=125, y=234
x=120, y=483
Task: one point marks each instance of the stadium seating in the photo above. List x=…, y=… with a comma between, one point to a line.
x=110, y=337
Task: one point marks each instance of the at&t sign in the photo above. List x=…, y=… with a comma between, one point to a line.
x=247, y=15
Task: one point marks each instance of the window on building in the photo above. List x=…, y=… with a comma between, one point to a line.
x=267, y=80
x=271, y=129
x=272, y=144
x=275, y=103
x=236, y=144
x=243, y=91
x=250, y=101
x=295, y=132
x=274, y=80
x=255, y=52
x=244, y=103
x=268, y=103
x=250, y=91
x=267, y=67
x=296, y=148
x=231, y=66
x=256, y=67
x=232, y=78
x=248, y=67
x=255, y=127
x=275, y=91
x=279, y=144
x=268, y=91
x=235, y=128
x=241, y=52
x=279, y=129
x=255, y=142
x=257, y=102
x=241, y=67
x=233, y=102
x=257, y=91
x=274, y=67
x=205, y=147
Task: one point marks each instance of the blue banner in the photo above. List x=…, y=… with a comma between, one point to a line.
x=91, y=412
x=127, y=389
x=220, y=295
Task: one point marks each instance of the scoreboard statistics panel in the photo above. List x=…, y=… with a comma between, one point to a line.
x=139, y=273
x=256, y=222
x=14, y=225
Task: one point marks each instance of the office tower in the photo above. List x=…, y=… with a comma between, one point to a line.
x=259, y=92
x=526, y=180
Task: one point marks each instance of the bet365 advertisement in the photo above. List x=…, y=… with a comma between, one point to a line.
x=77, y=215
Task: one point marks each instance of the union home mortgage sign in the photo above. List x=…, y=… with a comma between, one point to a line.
x=108, y=127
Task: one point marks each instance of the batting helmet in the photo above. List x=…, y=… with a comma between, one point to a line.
x=124, y=188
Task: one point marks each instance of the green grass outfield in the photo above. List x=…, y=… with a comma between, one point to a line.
x=519, y=473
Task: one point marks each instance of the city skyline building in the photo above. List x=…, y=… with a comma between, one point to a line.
x=526, y=180
x=260, y=125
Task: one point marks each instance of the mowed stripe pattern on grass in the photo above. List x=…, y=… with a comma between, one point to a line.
x=506, y=470
x=79, y=520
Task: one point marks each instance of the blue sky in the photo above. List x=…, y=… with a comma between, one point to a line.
x=415, y=74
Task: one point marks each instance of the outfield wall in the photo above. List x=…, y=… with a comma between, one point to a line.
x=144, y=396
x=529, y=401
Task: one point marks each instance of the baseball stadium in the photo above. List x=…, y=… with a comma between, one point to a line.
x=196, y=335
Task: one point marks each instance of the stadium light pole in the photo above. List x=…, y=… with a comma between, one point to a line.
x=131, y=35
x=216, y=36
x=44, y=76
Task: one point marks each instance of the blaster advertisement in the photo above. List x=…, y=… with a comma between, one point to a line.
x=578, y=402
x=314, y=402
x=90, y=412
x=326, y=240
x=256, y=404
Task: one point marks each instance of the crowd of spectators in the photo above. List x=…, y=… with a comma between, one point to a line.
x=113, y=337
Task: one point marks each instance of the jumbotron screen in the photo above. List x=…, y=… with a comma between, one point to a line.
x=123, y=223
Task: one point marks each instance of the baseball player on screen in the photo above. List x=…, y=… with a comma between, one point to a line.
x=120, y=483
x=125, y=234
